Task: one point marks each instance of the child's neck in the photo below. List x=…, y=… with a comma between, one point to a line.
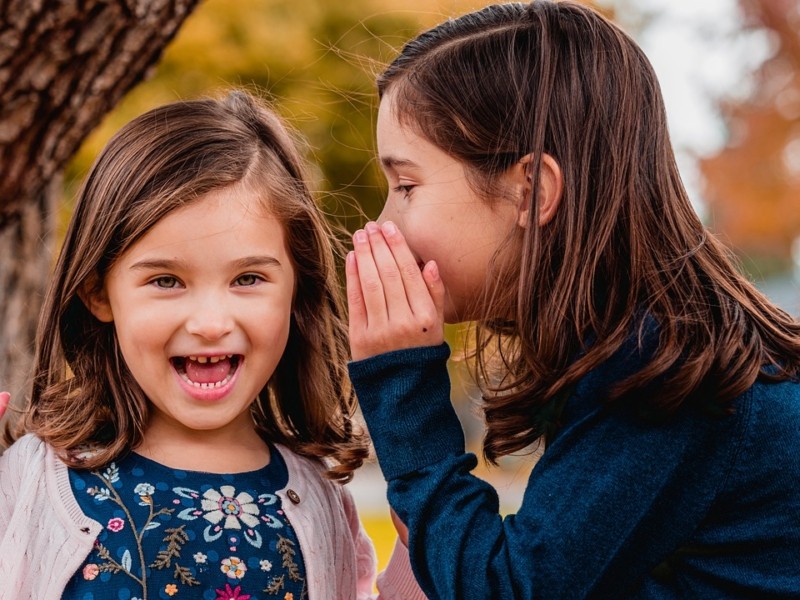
x=203, y=452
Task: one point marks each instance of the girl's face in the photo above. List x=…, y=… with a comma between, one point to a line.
x=201, y=305
x=440, y=215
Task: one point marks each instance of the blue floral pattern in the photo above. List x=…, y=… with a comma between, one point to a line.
x=170, y=534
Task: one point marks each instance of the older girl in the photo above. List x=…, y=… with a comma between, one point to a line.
x=534, y=191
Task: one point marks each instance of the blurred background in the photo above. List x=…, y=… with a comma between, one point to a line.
x=729, y=70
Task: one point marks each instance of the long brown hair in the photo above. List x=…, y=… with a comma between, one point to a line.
x=83, y=392
x=625, y=247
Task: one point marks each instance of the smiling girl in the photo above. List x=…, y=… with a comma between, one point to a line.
x=190, y=424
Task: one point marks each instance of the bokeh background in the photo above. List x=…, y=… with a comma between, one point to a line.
x=729, y=69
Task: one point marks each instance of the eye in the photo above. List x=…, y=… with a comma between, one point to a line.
x=248, y=279
x=166, y=282
x=404, y=189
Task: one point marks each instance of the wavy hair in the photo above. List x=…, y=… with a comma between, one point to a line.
x=83, y=392
x=520, y=79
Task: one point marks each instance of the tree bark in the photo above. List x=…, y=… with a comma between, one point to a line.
x=63, y=65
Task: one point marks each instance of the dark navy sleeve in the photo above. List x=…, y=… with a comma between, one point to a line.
x=610, y=499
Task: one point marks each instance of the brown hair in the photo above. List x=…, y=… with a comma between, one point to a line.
x=625, y=247
x=83, y=392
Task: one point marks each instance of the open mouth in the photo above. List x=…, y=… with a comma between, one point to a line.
x=206, y=372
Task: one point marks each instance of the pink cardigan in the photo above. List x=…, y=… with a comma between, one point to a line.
x=44, y=536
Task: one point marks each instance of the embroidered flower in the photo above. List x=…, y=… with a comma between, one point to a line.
x=144, y=489
x=288, y=596
x=200, y=558
x=90, y=571
x=233, y=567
x=116, y=524
x=231, y=594
x=266, y=565
x=171, y=589
x=223, y=504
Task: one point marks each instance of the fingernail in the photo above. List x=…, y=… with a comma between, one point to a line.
x=350, y=258
x=371, y=227
x=434, y=270
x=360, y=236
x=389, y=228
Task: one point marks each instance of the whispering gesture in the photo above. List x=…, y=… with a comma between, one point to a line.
x=393, y=303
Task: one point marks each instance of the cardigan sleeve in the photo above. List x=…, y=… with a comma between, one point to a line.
x=397, y=581
x=609, y=500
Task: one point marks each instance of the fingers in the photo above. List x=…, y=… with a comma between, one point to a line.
x=372, y=292
x=414, y=286
x=430, y=275
x=5, y=398
x=392, y=273
x=392, y=304
x=355, y=300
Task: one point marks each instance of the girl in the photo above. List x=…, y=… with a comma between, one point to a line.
x=533, y=190
x=191, y=419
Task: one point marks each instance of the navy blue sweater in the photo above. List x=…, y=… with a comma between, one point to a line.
x=697, y=507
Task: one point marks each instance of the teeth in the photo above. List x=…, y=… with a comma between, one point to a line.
x=205, y=386
x=209, y=359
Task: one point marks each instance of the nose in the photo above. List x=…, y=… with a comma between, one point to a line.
x=209, y=318
x=387, y=214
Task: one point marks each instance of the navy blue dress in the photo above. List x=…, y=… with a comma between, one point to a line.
x=177, y=534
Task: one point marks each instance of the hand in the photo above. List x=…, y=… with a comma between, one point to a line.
x=393, y=305
x=5, y=398
x=402, y=530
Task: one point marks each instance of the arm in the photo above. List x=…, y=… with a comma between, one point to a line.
x=397, y=581
x=609, y=500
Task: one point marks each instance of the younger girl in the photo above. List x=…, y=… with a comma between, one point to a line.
x=191, y=419
x=532, y=179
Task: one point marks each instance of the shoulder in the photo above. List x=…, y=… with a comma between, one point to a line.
x=772, y=411
x=303, y=470
x=307, y=481
x=25, y=459
x=28, y=447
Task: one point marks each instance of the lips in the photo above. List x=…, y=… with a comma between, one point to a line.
x=206, y=372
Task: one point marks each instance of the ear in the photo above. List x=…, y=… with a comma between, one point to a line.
x=551, y=188
x=93, y=295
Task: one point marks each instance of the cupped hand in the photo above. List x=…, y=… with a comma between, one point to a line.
x=393, y=304
x=5, y=398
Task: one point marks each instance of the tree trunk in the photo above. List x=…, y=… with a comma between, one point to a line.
x=63, y=65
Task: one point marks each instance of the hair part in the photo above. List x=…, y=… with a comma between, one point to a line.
x=84, y=394
x=625, y=247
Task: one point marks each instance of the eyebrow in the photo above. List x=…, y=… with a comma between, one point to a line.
x=392, y=162
x=247, y=262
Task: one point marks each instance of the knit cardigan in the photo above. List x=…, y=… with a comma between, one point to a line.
x=44, y=536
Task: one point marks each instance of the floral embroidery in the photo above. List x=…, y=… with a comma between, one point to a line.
x=233, y=567
x=285, y=548
x=225, y=509
x=131, y=507
x=116, y=524
x=90, y=571
x=144, y=489
x=231, y=594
